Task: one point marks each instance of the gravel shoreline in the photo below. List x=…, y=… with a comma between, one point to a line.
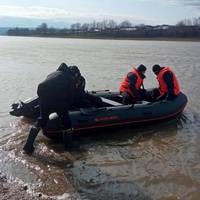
x=12, y=191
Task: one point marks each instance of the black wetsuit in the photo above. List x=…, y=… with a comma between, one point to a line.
x=56, y=94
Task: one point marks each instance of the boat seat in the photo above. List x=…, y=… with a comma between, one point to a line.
x=111, y=102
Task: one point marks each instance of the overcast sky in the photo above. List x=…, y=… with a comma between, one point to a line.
x=137, y=11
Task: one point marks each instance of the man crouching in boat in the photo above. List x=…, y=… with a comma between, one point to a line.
x=56, y=94
x=168, y=83
x=131, y=88
x=83, y=99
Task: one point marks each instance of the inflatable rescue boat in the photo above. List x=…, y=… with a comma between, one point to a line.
x=112, y=113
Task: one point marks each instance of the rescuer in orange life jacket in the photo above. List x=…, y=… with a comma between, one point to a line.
x=132, y=88
x=168, y=83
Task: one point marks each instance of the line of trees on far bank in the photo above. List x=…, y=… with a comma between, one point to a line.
x=186, y=28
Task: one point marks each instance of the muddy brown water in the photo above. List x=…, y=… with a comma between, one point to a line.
x=152, y=162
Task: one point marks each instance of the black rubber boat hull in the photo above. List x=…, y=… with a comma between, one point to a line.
x=118, y=116
x=111, y=115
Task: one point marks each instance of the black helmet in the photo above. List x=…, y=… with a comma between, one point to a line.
x=141, y=68
x=156, y=68
x=75, y=70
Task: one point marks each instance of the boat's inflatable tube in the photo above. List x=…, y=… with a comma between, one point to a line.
x=112, y=114
x=118, y=115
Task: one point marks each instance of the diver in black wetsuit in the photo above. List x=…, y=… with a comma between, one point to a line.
x=56, y=94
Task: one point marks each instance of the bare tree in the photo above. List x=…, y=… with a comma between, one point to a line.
x=93, y=25
x=180, y=23
x=100, y=25
x=185, y=22
x=196, y=21
x=42, y=27
x=85, y=26
x=111, y=24
x=76, y=26
x=125, y=24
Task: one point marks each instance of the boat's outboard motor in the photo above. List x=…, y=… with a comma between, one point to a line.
x=28, y=109
x=18, y=109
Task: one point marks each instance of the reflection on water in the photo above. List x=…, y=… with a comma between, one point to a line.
x=160, y=161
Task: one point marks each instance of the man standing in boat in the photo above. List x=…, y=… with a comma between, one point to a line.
x=168, y=83
x=131, y=88
x=56, y=94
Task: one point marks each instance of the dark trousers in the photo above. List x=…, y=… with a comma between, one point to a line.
x=46, y=108
x=129, y=99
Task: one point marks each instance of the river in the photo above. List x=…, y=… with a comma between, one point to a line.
x=152, y=162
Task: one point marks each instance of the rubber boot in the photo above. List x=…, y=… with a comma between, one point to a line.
x=68, y=139
x=28, y=147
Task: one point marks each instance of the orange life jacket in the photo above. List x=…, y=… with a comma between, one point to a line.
x=162, y=84
x=124, y=87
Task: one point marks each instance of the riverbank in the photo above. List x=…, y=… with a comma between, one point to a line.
x=114, y=38
x=136, y=38
x=13, y=191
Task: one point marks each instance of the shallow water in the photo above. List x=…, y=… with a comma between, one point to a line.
x=154, y=162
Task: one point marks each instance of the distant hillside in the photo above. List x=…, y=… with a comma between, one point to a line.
x=112, y=30
x=3, y=30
